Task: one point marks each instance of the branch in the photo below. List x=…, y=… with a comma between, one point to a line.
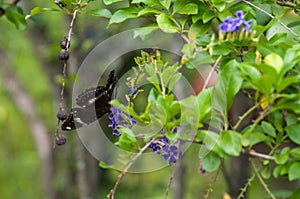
x=65, y=62
x=258, y=155
x=122, y=174
x=261, y=180
x=286, y=3
x=211, y=72
x=271, y=16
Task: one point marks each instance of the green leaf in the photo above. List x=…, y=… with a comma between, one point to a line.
x=165, y=3
x=188, y=49
x=101, y=12
x=197, y=30
x=150, y=3
x=173, y=80
x=204, y=102
x=126, y=142
x=291, y=119
x=294, y=171
x=189, y=115
x=165, y=24
x=285, y=82
x=230, y=141
x=293, y=132
x=122, y=15
x=280, y=170
x=231, y=78
x=295, y=152
x=15, y=15
x=189, y=9
x=129, y=134
x=268, y=128
x=207, y=16
x=275, y=61
x=249, y=72
x=145, y=31
x=201, y=57
x=266, y=171
x=148, y=10
x=283, y=157
x=109, y=2
x=178, y=5
x=211, y=162
x=38, y=10
x=252, y=138
x=106, y=166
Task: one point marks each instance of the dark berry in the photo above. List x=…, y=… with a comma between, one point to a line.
x=63, y=43
x=61, y=114
x=63, y=55
x=60, y=139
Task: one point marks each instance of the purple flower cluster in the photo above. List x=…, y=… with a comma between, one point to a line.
x=120, y=119
x=162, y=147
x=233, y=24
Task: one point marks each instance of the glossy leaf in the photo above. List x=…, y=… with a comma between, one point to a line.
x=122, y=15
x=189, y=9
x=211, y=162
x=252, y=138
x=109, y=2
x=283, y=157
x=275, y=61
x=294, y=171
x=293, y=132
x=15, y=15
x=165, y=24
x=38, y=10
x=143, y=32
x=102, y=12
x=268, y=128
x=230, y=141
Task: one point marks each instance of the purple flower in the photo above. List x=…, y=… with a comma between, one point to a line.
x=201, y=170
x=171, y=153
x=239, y=14
x=233, y=24
x=133, y=91
x=118, y=118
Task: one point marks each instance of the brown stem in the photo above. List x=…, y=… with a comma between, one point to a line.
x=122, y=174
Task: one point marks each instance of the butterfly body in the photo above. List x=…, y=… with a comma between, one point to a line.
x=93, y=104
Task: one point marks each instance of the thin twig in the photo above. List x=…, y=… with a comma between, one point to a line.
x=169, y=183
x=185, y=38
x=258, y=155
x=286, y=3
x=211, y=72
x=245, y=115
x=65, y=62
x=244, y=189
x=122, y=174
x=271, y=16
x=261, y=180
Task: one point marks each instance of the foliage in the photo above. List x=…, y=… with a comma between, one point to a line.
x=251, y=57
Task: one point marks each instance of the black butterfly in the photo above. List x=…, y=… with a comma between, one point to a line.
x=93, y=102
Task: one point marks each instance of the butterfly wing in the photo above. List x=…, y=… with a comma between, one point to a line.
x=93, y=102
x=79, y=117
